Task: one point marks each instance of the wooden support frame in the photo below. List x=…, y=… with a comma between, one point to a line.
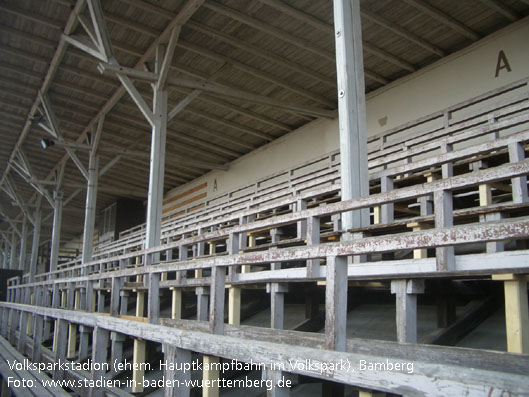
x=179, y=357
x=336, y=303
x=516, y=312
x=99, y=355
x=406, y=308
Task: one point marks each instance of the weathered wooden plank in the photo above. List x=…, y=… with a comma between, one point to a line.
x=216, y=305
x=336, y=302
x=428, y=377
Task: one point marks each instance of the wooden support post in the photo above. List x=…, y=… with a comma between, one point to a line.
x=116, y=355
x=516, y=312
x=138, y=372
x=84, y=332
x=351, y=109
x=90, y=302
x=301, y=226
x=101, y=297
x=180, y=358
x=140, y=303
x=60, y=347
x=232, y=246
x=38, y=327
x=426, y=202
x=210, y=376
x=277, y=303
x=419, y=253
x=216, y=304
x=73, y=303
x=202, y=303
x=99, y=356
x=115, y=295
x=201, y=251
x=377, y=215
x=519, y=184
x=336, y=303
x=176, y=303
x=154, y=298
x=406, y=294
x=386, y=210
x=124, y=306
x=444, y=216
x=29, y=326
x=234, y=305
x=5, y=320
x=140, y=346
x=251, y=243
x=313, y=238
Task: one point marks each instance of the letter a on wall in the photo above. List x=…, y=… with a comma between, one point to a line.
x=502, y=63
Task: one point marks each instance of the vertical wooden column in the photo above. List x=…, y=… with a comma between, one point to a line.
x=519, y=184
x=29, y=326
x=216, y=304
x=234, y=292
x=116, y=339
x=179, y=357
x=419, y=253
x=336, y=303
x=153, y=307
x=84, y=330
x=38, y=326
x=277, y=293
x=60, y=347
x=55, y=303
x=99, y=356
x=351, y=108
x=216, y=316
x=301, y=226
x=176, y=303
x=5, y=320
x=73, y=303
x=313, y=238
x=202, y=303
x=234, y=305
x=23, y=322
x=201, y=250
x=15, y=316
x=444, y=217
x=209, y=375
x=387, y=210
x=251, y=243
x=140, y=347
x=406, y=296
x=516, y=312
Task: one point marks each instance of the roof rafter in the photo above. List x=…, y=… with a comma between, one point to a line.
x=445, y=19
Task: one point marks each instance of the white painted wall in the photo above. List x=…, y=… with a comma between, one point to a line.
x=453, y=79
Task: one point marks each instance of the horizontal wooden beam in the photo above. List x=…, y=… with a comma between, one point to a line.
x=418, y=375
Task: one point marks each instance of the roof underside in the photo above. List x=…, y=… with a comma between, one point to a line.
x=281, y=49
